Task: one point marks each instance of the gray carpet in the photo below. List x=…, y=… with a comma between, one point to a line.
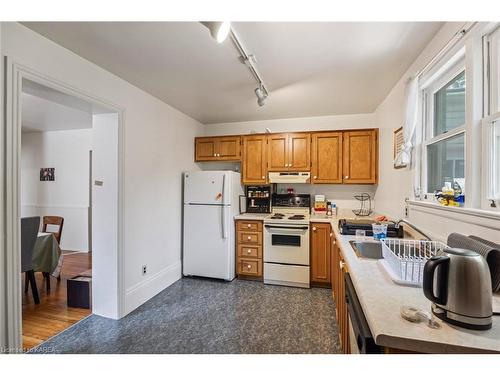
x=206, y=316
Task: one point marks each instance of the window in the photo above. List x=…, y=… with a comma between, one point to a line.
x=491, y=121
x=444, y=129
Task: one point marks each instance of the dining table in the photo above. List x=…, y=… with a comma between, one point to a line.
x=47, y=254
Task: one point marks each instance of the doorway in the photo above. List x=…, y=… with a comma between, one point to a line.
x=103, y=224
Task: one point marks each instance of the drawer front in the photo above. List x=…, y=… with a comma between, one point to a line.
x=250, y=238
x=254, y=226
x=249, y=251
x=250, y=267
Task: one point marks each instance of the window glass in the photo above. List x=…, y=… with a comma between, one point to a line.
x=496, y=159
x=494, y=73
x=446, y=163
x=449, y=105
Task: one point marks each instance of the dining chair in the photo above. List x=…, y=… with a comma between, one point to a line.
x=29, y=233
x=53, y=221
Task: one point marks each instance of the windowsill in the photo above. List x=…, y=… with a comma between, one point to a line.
x=459, y=210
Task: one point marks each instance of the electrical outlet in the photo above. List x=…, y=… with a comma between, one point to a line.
x=144, y=270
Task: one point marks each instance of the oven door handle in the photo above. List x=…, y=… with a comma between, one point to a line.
x=284, y=227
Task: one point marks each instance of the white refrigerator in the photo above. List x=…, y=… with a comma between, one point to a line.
x=211, y=200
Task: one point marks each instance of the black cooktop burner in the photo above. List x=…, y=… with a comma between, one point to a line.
x=297, y=217
x=277, y=216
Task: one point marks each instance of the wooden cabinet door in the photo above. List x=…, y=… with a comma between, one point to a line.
x=205, y=149
x=360, y=163
x=277, y=152
x=320, y=253
x=254, y=163
x=299, y=151
x=326, y=158
x=228, y=148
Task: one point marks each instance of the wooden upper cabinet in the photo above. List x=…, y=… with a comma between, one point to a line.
x=254, y=161
x=326, y=158
x=299, y=151
x=360, y=158
x=229, y=148
x=205, y=149
x=321, y=234
x=277, y=151
x=289, y=151
x=218, y=148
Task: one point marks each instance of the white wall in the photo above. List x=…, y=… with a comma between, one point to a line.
x=68, y=195
x=158, y=147
x=341, y=194
x=397, y=184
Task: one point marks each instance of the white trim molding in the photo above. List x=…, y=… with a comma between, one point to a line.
x=14, y=73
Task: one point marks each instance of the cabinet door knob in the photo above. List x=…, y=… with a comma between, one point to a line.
x=215, y=155
x=346, y=177
x=341, y=265
x=249, y=266
x=289, y=165
x=286, y=165
x=263, y=177
x=315, y=177
x=249, y=251
x=314, y=229
x=249, y=238
x=249, y=225
x=331, y=234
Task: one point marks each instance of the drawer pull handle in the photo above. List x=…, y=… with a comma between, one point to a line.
x=249, y=251
x=249, y=266
x=249, y=225
x=249, y=238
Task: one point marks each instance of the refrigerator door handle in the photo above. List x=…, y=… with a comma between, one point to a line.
x=223, y=213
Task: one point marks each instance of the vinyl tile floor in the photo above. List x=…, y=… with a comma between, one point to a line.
x=197, y=315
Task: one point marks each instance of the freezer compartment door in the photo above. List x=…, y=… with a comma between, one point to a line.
x=207, y=187
x=209, y=249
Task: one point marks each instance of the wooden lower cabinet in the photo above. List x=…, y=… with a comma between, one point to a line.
x=339, y=269
x=249, y=249
x=320, y=247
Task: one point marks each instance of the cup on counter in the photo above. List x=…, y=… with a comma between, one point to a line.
x=379, y=231
x=360, y=234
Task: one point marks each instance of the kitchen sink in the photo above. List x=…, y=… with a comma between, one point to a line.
x=367, y=249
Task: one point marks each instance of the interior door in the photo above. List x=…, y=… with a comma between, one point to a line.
x=360, y=157
x=277, y=145
x=299, y=151
x=254, y=164
x=326, y=158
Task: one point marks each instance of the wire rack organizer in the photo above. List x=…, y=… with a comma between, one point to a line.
x=404, y=260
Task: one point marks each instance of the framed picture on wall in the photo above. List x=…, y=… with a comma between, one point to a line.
x=397, y=141
x=47, y=174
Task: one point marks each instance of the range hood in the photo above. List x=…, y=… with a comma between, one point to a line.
x=289, y=177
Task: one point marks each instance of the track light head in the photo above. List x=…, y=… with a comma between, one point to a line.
x=218, y=30
x=261, y=96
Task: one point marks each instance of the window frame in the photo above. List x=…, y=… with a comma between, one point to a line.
x=428, y=92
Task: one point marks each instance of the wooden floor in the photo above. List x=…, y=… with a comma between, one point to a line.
x=52, y=315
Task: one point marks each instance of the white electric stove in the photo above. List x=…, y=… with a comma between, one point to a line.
x=286, y=241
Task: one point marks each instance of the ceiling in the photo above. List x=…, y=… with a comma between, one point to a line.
x=45, y=109
x=311, y=69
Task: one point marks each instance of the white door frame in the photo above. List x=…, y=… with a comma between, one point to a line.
x=11, y=144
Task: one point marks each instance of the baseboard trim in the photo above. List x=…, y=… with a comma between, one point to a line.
x=143, y=291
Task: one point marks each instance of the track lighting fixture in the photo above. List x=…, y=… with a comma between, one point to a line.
x=261, y=96
x=218, y=30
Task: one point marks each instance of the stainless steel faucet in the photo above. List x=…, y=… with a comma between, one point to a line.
x=413, y=227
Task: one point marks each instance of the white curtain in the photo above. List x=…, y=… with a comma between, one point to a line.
x=403, y=157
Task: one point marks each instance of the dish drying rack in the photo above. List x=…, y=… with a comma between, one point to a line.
x=365, y=208
x=404, y=260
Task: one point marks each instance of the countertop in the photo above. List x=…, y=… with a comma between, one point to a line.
x=250, y=216
x=381, y=300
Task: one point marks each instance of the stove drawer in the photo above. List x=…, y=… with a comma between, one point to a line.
x=250, y=238
x=249, y=251
x=249, y=267
x=251, y=225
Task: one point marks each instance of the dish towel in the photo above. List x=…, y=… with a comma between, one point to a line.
x=489, y=250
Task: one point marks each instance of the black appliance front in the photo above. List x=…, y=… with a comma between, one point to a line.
x=364, y=339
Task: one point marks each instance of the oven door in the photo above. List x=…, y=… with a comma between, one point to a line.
x=286, y=244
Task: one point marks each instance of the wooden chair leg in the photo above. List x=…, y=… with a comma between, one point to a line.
x=26, y=282
x=46, y=276
x=34, y=290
